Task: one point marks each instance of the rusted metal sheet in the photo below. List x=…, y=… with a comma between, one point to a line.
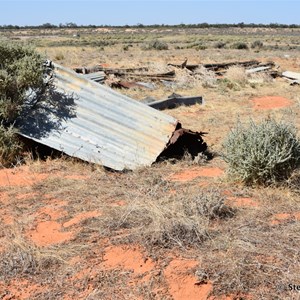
x=96, y=124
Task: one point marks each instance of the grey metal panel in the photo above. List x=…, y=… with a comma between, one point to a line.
x=291, y=75
x=96, y=124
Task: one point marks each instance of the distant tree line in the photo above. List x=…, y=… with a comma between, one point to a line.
x=139, y=25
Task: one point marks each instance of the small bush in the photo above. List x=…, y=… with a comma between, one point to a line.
x=240, y=46
x=21, y=70
x=219, y=45
x=156, y=45
x=237, y=74
x=257, y=45
x=263, y=153
x=59, y=56
x=21, y=78
x=10, y=146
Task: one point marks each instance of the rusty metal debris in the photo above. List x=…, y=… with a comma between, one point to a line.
x=252, y=66
x=184, y=141
x=95, y=123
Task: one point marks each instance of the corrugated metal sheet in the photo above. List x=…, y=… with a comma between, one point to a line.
x=96, y=124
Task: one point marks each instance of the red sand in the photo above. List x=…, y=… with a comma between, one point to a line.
x=3, y=198
x=241, y=202
x=182, y=284
x=49, y=233
x=5, y=217
x=128, y=258
x=284, y=217
x=50, y=213
x=118, y=203
x=81, y=217
x=193, y=173
x=19, y=289
x=26, y=196
x=19, y=177
x=270, y=102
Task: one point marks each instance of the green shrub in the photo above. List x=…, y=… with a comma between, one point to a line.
x=156, y=45
x=262, y=153
x=125, y=48
x=21, y=70
x=219, y=45
x=21, y=77
x=257, y=45
x=240, y=46
x=10, y=146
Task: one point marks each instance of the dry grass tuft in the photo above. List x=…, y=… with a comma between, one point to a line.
x=237, y=74
x=207, y=78
x=157, y=218
x=22, y=258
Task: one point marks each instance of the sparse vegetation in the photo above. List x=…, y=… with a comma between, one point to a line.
x=220, y=45
x=21, y=77
x=166, y=221
x=241, y=240
x=21, y=71
x=240, y=46
x=262, y=153
x=10, y=146
x=156, y=45
x=257, y=45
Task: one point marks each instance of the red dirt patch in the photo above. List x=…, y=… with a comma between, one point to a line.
x=26, y=196
x=271, y=102
x=193, y=173
x=241, y=202
x=118, y=203
x=127, y=258
x=183, y=285
x=284, y=217
x=19, y=177
x=19, y=289
x=52, y=213
x=81, y=217
x=4, y=198
x=6, y=218
x=49, y=233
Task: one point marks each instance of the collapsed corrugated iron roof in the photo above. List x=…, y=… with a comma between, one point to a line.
x=94, y=123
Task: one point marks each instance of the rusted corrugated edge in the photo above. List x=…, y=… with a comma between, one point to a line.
x=96, y=124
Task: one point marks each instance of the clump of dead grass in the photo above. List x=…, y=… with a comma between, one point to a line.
x=206, y=77
x=259, y=259
x=22, y=258
x=237, y=75
x=170, y=220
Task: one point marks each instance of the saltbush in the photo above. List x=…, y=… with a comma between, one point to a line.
x=21, y=76
x=10, y=146
x=21, y=70
x=262, y=153
x=257, y=44
x=156, y=45
x=240, y=46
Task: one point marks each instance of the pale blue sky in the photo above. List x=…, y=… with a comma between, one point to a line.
x=122, y=12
